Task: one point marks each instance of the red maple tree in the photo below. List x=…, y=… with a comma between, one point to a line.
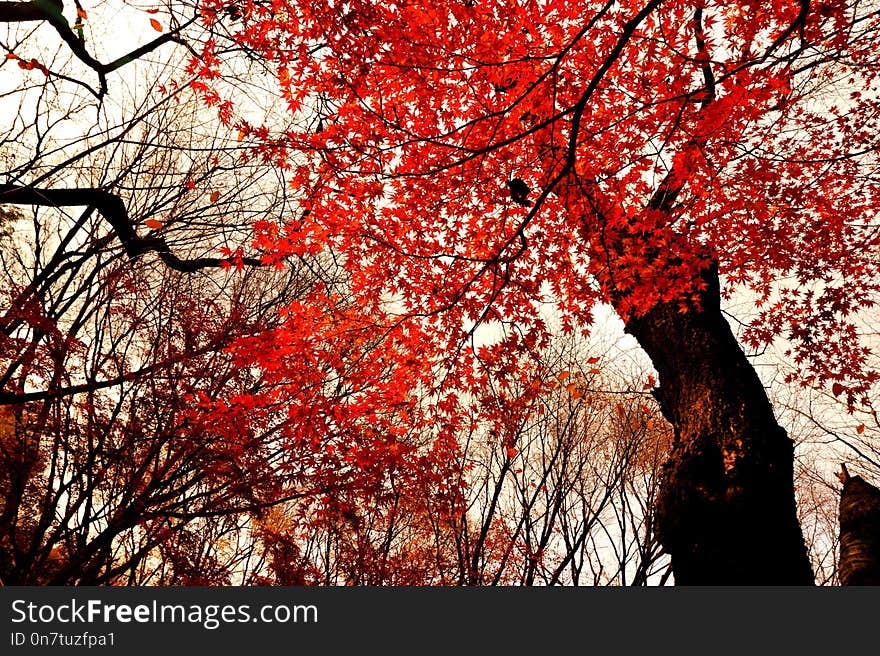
x=473, y=162
x=472, y=172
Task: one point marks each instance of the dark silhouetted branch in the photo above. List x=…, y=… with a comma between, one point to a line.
x=51, y=12
x=113, y=210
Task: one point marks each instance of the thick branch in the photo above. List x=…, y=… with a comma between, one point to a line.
x=51, y=12
x=15, y=398
x=113, y=210
x=20, y=12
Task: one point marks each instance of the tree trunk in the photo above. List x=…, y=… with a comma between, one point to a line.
x=859, y=562
x=726, y=511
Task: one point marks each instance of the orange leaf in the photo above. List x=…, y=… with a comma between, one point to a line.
x=82, y=13
x=512, y=451
x=563, y=375
x=215, y=195
x=156, y=24
x=593, y=360
x=153, y=223
x=11, y=55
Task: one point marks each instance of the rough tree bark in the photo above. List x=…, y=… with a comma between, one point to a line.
x=726, y=513
x=859, y=561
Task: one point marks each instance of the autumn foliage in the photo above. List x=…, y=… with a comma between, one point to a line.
x=653, y=137
x=464, y=185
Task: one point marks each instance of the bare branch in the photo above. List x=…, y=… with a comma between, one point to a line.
x=51, y=12
x=113, y=210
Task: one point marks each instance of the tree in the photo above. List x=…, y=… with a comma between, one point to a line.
x=127, y=274
x=441, y=184
x=670, y=153
x=547, y=486
x=105, y=457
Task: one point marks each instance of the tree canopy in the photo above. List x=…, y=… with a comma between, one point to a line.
x=457, y=185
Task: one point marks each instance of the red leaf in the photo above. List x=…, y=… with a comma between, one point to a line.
x=837, y=389
x=215, y=195
x=511, y=452
x=153, y=223
x=860, y=429
x=156, y=24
